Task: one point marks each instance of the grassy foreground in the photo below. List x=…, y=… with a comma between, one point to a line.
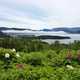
x=41, y=65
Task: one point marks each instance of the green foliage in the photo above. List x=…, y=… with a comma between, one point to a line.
x=36, y=60
x=23, y=44
x=43, y=65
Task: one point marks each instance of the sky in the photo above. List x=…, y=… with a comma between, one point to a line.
x=39, y=14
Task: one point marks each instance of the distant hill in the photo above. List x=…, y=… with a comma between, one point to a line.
x=21, y=32
x=2, y=34
x=6, y=28
x=75, y=30
x=68, y=30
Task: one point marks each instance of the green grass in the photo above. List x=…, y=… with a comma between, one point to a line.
x=42, y=65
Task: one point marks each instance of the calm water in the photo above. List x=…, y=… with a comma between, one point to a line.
x=73, y=37
x=37, y=33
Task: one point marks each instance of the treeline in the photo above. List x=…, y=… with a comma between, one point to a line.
x=24, y=44
x=32, y=45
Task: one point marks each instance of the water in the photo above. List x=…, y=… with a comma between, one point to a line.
x=72, y=36
x=38, y=33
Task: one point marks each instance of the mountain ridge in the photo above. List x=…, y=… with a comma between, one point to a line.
x=75, y=30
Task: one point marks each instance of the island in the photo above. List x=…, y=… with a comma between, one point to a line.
x=52, y=37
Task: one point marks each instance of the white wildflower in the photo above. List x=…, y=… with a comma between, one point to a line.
x=14, y=50
x=69, y=67
x=7, y=55
x=17, y=55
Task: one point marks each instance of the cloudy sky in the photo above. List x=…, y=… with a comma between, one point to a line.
x=38, y=14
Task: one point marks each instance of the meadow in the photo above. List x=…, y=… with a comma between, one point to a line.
x=32, y=59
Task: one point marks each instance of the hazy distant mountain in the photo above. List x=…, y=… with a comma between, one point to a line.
x=42, y=34
x=75, y=30
x=65, y=29
x=6, y=28
x=2, y=34
x=68, y=30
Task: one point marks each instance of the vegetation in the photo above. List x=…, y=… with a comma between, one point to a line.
x=31, y=59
